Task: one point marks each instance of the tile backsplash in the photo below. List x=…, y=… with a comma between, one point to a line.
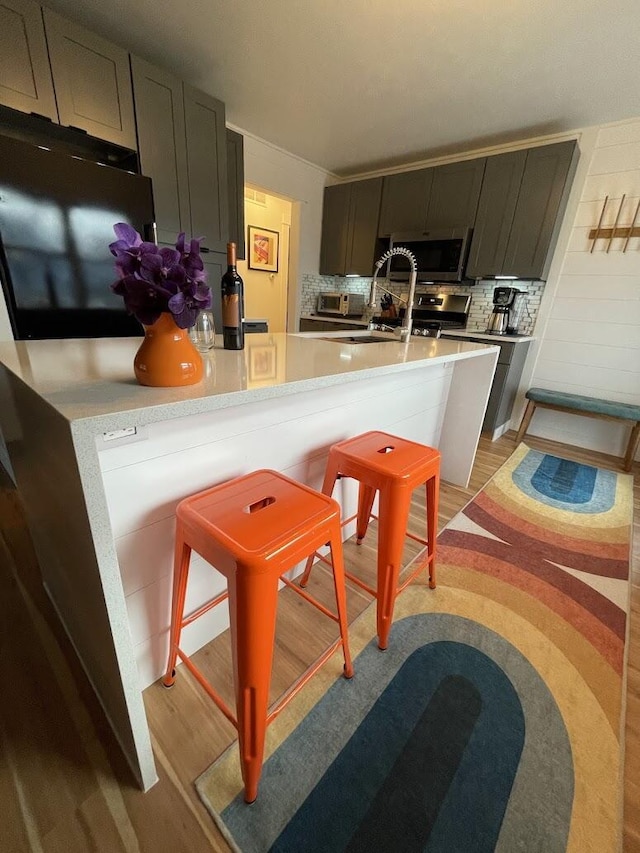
x=481, y=297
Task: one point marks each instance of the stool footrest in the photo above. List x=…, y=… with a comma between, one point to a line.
x=202, y=681
x=280, y=704
x=303, y=594
x=300, y=683
x=204, y=609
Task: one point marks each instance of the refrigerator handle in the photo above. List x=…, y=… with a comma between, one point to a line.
x=151, y=232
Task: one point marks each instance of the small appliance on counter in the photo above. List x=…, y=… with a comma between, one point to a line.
x=344, y=304
x=508, y=305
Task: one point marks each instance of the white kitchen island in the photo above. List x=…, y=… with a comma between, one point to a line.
x=101, y=462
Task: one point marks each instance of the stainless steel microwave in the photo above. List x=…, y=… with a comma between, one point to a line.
x=345, y=304
x=441, y=255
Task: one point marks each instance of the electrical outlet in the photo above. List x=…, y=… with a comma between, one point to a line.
x=118, y=433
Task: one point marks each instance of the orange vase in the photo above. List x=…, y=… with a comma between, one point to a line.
x=166, y=356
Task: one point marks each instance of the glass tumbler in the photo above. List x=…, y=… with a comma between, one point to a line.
x=202, y=333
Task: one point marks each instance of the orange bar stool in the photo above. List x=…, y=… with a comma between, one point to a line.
x=252, y=529
x=394, y=467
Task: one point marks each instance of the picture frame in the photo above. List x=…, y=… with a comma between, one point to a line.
x=263, y=247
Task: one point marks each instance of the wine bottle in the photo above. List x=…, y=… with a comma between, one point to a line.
x=232, y=303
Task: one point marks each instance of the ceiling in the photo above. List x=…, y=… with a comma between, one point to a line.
x=352, y=85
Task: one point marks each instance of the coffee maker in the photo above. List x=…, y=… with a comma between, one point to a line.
x=508, y=305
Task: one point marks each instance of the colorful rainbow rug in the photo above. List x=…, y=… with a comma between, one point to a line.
x=494, y=720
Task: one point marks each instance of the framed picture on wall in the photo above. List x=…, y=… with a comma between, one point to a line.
x=263, y=249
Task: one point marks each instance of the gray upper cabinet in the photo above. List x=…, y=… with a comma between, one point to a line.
x=162, y=145
x=546, y=182
x=207, y=168
x=405, y=198
x=25, y=74
x=235, y=189
x=349, y=228
x=364, y=213
x=92, y=81
x=455, y=190
x=335, y=229
x=498, y=199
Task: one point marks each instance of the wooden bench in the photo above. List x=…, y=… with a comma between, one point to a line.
x=590, y=407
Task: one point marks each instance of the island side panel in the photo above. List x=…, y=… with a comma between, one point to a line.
x=144, y=481
x=50, y=486
x=467, y=403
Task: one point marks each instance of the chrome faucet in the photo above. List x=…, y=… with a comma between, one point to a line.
x=405, y=331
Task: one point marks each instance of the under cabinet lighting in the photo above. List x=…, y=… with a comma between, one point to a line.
x=352, y=275
x=506, y=277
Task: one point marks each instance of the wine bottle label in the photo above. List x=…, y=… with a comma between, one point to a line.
x=231, y=310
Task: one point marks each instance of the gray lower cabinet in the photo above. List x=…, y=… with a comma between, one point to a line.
x=522, y=203
x=235, y=189
x=207, y=168
x=308, y=325
x=162, y=145
x=92, y=81
x=25, y=73
x=349, y=228
x=505, y=381
x=404, y=201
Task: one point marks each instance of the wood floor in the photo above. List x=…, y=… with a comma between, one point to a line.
x=64, y=785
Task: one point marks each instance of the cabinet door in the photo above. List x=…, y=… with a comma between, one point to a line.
x=546, y=182
x=25, y=74
x=405, y=199
x=235, y=189
x=364, y=210
x=92, y=81
x=335, y=229
x=498, y=198
x=162, y=146
x=215, y=264
x=207, y=168
x=455, y=190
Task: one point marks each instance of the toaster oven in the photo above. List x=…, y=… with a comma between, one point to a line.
x=344, y=304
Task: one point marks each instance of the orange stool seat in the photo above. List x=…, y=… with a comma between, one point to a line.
x=252, y=529
x=394, y=467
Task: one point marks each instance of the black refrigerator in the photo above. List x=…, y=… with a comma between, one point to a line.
x=57, y=213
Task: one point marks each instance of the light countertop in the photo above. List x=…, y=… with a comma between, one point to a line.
x=91, y=382
x=485, y=336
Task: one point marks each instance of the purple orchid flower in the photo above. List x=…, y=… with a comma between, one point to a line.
x=154, y=280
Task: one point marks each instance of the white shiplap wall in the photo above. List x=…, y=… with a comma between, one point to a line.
x=591, y=341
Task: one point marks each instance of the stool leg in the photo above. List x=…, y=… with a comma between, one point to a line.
x=252, y=612
x=366, y=495
x=182, y=557
x=392, y=525
x=337, y=561
x=330, y=477
x=433, y=496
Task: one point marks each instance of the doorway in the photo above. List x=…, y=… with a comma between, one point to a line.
x=266, y=291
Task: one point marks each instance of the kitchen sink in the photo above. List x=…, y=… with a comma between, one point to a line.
x=362, y=339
